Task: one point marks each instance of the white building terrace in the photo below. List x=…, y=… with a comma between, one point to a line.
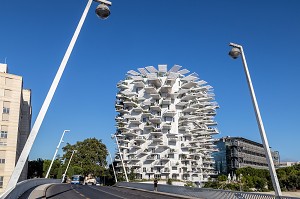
x=165, y=124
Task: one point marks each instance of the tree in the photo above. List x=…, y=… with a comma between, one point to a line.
x=132, y=174
x=35, y=168
x=289, y=177
x=222, y=178
x=54, y=172
x=90, y=157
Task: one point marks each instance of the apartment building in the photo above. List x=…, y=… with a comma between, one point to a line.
x=165, y=124
x=15, y=123
x=287, y=164
x=237, y=152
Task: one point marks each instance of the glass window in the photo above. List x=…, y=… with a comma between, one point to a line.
x=2, y=161
x=6, y=106
x=3, y=134
x=4, y=130
x=3, y=143
x=1, y=181
x=157, y=176
x=5, y=110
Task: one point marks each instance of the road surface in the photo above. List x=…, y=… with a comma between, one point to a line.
x=59, y=191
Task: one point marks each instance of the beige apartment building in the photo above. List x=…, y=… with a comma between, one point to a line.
x=15, y=123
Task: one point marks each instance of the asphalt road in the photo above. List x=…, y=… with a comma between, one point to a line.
x=60, y=191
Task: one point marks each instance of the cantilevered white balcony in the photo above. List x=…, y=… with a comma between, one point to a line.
x=188, y=85
x=140, y=139
x=166, y=125
x=136, y=165
x=166, y=101
x=134, y=122
x=138, y=84
x=130, y=103
x=123, y=128
x=122, y=85
x=155, y=80
x=150, y=89
x=166, y=88
x=212, y=130
x=188, y=97
x=137, y=109
x=155, y=96
x=122, y=111
x=155, y=119
x=189, y=109
x=169, y=113
x=155, y=107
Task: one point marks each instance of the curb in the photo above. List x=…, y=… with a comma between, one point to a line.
x=37, y=193
x=158, y=192
x=45, y=190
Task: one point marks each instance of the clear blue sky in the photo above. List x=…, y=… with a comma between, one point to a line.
x=195, y=34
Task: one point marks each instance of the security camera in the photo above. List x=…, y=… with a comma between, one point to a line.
x=234, y=53
x=102, y=11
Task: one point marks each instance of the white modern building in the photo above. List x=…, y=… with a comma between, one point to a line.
x=165, y=124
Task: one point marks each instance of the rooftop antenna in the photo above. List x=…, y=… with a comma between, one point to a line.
x=5, y=60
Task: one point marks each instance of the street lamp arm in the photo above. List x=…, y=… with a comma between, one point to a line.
x=112, y=165
x=104, y=1
x=74, y=151
x=62, y=136
x=235, y=45
x=114, y=136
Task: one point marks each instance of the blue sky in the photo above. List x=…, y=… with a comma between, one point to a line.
x=195, y=34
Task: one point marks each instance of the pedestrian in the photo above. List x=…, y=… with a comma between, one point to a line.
x=155, y=184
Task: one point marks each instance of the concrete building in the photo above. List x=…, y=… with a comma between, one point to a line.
x=237, y=152
x=15, y=123
x=287, y=164
x=165, y=124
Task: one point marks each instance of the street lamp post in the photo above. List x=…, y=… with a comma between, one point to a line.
x=61, y=139
x=112, y=164
x=114, y=136
x=103, y=12
x=234, y=53
x=74, y=151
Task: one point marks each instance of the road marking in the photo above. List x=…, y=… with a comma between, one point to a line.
x=108, y=193
x=78, y=192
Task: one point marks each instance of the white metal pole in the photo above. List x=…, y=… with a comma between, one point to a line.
x=55, y=153
x=112, y=164
x=35, y=129
x=68, y=165
x=263, y=135
x=121, y=159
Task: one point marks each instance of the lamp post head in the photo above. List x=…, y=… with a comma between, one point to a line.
x=113, y=136
x=102, y=11
x=235, y=52
x=66, y=131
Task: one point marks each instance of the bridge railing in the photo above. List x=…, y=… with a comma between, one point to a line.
x=25, y=185
x=200, y=192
